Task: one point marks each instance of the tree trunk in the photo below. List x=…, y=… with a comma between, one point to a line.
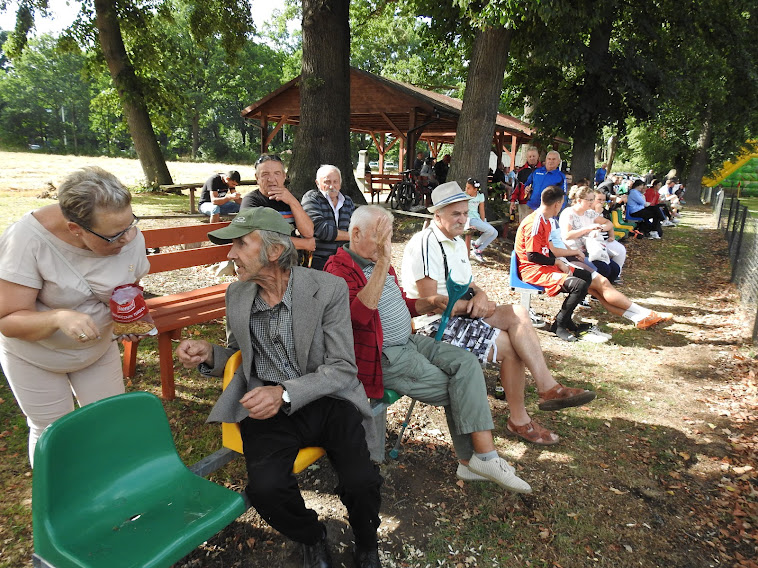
x=130, y=93
x=476, y=125
x=597, y=62
x=583, y=155
x=700, y=159
x=195, y=132
x=323, y=136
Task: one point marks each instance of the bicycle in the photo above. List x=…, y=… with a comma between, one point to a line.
x=404, y=194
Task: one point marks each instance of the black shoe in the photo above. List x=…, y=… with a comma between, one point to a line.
x=366, y=558
x=317, y=555
x=565, y=334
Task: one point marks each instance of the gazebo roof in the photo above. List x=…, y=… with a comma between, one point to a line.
x=381, y=105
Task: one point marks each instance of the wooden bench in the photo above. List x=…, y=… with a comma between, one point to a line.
x=173, y=312
x=191, y=187
x=377, y=182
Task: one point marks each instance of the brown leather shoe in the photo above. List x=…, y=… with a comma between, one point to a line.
x=560, y=397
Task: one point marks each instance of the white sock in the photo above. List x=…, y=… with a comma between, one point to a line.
x=637, y=313
x=487, y=456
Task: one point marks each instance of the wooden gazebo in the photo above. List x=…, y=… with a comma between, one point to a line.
x=383, y=107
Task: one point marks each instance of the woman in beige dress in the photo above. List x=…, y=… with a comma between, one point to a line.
x=58, y=267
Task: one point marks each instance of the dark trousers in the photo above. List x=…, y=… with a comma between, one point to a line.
x=576, y=285
x=652, y=218
x=270, y=448
x=610, y=270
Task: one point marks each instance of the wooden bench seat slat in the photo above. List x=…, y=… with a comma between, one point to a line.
x=187, y=258
x=211, y=291
x=169, y=236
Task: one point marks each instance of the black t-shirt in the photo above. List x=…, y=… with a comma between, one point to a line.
x=440, y=170
x=213, y=183
x=257, y=199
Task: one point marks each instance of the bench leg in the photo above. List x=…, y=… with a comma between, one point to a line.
x=129, y=366
x=166, y=357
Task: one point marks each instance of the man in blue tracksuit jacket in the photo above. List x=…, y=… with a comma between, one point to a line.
x=549, y=174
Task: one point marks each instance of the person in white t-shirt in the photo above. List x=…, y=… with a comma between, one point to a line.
x=477, y=219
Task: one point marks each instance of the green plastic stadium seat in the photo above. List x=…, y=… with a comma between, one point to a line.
x=110, y=490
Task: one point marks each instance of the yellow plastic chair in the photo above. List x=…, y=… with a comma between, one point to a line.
x=110, y=490
x=230, y=433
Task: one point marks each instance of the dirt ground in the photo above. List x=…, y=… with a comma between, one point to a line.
x=643, y=476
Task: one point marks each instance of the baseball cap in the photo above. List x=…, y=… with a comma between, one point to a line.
x=445, y=194
x=249, y=220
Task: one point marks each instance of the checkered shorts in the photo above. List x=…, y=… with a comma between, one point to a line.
x=474, y=335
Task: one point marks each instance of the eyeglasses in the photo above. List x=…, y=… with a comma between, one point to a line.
x=267, y=158
x=117, y=236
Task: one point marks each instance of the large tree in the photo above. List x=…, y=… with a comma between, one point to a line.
x=131, y=94
x=476, y=125
x=129, y=34
x=323, y=136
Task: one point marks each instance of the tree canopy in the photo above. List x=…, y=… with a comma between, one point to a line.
x=676, y=82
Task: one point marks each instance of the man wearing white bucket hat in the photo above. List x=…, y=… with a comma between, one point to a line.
x=497, y=333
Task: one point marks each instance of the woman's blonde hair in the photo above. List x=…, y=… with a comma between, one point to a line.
x=579, y=192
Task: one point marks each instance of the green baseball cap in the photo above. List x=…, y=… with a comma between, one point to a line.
x=249, y=220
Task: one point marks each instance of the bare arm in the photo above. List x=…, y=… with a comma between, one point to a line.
x=477, y=307
x=303, y=222
x=372, y=291
x=20, y=318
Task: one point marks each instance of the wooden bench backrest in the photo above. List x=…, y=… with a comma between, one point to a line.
x=188, y=234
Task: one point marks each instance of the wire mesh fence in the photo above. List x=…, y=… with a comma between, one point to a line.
x=741, y=233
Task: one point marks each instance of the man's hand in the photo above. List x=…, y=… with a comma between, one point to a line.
x=263, y=402
x=479, y=306
x=432, y=304
x=580, y=254
x=192, y=352
x=384, y=240
x=282, y=194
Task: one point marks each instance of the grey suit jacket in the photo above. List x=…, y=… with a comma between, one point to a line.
x=323, y=337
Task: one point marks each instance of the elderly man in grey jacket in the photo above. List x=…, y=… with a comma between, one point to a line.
x=296, y=387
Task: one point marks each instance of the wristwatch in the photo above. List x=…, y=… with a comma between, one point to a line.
x=286, y=398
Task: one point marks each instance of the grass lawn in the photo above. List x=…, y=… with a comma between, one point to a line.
x=659, y=470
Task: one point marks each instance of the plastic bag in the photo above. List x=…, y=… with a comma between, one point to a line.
x=129, y=312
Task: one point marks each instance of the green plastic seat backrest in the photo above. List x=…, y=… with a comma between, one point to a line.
x=110, y=490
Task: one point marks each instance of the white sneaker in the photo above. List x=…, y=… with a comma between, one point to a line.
x=501, y=472
x=584, y=304
x=466, y=474
x=477, y=255
x=668, y=223
x=653, y=235
x=595, y=330
x=591, y=337
x=537, y=321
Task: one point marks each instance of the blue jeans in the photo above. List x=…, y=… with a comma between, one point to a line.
x=225, y=209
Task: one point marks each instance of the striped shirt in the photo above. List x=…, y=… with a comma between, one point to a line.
x=393, y=312
x=274, y=358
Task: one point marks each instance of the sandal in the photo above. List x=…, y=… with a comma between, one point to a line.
x=533, y=432
x=560, y=397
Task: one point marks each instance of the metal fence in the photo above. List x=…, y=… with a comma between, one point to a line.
x=741, y=233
